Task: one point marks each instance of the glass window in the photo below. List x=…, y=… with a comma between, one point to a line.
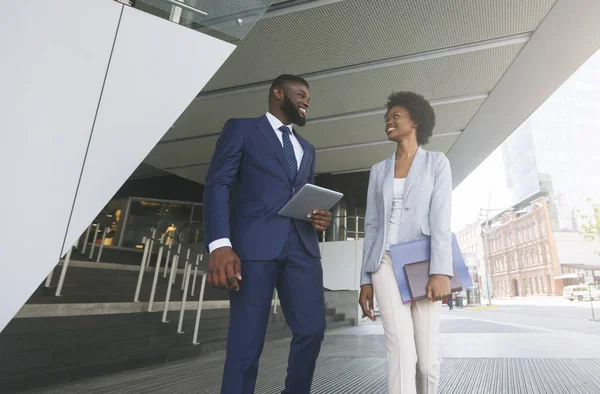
x=226, y=20
x=177, y=220
x=142, y=216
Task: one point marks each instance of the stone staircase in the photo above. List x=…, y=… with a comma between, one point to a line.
x=85, y=332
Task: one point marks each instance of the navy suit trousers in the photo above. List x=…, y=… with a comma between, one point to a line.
x=298, y=277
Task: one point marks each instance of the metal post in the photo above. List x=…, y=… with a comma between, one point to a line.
x=592, y=299
x=192, y=210
x=102, y=244
x=345, y=235
x=356, y=228
x=85, y=240
x=63, y=273
x=198, y=259
x=183, y=301
x=94, y=241
x=175, y=17
x=168, y=257
x=174, y=275
x=156, y=272
x=487, y=263
x=174, y=265
x=186, y=266
x=49, y=278
x=169, y=288
x=124, y=222
x=151, y=247
x=275, y=302
x=175, y=13
x=199, y=312
x=486, y=252
x=136, y=298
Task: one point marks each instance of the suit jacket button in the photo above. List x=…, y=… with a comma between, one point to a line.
x=406, y=209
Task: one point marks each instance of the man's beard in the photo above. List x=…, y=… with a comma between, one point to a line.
x=292, y=112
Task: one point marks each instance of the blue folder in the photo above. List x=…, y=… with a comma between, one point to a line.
x=420, y=250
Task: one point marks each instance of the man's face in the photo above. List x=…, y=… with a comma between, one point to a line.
x=295, y=103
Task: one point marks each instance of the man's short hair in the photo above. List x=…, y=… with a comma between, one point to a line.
x=284, y=79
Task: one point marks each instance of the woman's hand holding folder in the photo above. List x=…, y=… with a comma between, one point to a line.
x=438, y=287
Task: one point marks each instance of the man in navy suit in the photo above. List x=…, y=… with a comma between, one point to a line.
x=257, y=166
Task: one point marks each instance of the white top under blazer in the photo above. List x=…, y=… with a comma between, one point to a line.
x=397, y=205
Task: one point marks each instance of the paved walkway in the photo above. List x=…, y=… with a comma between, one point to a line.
x=511, y=349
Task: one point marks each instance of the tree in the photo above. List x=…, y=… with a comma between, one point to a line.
x=590, y=225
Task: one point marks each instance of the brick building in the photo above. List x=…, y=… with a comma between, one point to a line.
x=523, y=257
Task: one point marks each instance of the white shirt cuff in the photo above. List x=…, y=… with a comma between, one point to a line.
x=219, y=243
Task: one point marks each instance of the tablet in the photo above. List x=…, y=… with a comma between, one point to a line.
x=309, y=198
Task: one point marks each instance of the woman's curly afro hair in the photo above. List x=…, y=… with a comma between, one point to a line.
x=420, y=111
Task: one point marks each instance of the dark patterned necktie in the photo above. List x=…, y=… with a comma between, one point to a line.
x=288, y=149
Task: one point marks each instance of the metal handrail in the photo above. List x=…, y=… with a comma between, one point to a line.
x=67, y=259
x=173, y=257
x=154, y=239
x=176, y=255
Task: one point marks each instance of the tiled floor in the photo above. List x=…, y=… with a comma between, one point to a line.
x=481, y=355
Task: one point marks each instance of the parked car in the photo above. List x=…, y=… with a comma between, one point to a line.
x=581, y=292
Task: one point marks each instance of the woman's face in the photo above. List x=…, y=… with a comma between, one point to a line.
x=399, y=125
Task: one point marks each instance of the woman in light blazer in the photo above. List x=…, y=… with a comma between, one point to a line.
x=409, y=197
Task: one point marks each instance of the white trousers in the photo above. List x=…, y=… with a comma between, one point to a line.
x=412, y=336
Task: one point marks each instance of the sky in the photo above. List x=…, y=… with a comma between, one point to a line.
x=474, y=192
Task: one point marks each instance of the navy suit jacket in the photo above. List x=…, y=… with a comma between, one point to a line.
x=247, y=184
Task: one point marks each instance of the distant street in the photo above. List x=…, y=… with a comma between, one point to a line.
x=550, y=313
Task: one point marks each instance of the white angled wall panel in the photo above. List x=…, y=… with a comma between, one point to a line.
x=88, y=88
x=54, y=59
x=157, y=69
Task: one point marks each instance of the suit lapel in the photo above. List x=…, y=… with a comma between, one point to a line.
x=415, y=169
x=269, y=134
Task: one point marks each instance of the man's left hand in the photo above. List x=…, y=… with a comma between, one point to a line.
x=320, y=219
x=438, y=287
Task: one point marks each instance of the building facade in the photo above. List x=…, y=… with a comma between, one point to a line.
x=523, y=257
x=471, y=243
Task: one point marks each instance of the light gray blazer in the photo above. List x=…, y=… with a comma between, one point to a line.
x=427, y=209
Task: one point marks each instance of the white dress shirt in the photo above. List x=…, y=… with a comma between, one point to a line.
x=298, y=151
